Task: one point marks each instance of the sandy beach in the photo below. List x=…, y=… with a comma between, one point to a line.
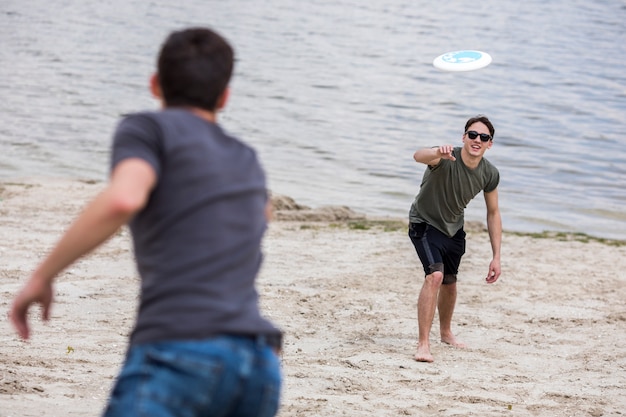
x=548, y=339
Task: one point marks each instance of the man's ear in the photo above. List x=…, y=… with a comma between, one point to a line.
x=223, y=99
x=155, y=87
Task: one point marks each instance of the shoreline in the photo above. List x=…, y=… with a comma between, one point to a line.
x=287, y=209
x=546, y=339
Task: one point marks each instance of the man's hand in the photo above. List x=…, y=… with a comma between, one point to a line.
x=494, y=271
x=445, y=152
x=433, y=155
x=36, y=291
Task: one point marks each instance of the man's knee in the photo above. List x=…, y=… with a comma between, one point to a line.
x=435, y=273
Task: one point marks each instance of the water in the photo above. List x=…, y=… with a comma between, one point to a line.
x=337, y=95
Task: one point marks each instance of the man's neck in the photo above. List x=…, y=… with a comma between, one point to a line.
x=204, y=114
x=470, y=161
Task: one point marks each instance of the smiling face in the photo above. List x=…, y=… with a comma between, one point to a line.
x=476, y=148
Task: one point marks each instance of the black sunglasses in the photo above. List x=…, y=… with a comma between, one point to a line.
x=483, y=136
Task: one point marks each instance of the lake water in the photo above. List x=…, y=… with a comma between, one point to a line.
x=337, y=95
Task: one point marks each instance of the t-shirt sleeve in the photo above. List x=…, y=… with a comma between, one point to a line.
x=493, y=182
x=137, y=136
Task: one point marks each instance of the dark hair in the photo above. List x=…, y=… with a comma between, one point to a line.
x=482, y=119
x=194, y=68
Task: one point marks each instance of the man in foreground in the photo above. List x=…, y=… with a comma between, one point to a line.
x=454, y=176
x=196, y=202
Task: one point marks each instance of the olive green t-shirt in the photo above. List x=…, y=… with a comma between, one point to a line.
x=447, y=188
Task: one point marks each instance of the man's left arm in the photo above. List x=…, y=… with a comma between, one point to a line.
x=494, y=226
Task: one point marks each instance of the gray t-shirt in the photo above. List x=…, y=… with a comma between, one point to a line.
x=198, y=240
x=447, y=188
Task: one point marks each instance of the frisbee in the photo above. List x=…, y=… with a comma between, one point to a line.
x=462, y=61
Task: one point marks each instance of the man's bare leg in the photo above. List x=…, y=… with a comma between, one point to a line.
x=446, y=303
x=426, y=305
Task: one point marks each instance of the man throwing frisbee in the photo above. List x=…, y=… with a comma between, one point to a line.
x=454, y=176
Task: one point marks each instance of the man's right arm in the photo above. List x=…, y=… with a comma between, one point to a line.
x=126, y=194
x=432, y=156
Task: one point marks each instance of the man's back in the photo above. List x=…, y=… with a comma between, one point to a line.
x=197, y=242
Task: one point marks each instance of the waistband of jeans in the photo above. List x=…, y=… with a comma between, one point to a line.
x=275, y=341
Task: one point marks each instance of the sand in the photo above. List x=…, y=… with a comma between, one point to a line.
x=548, y=339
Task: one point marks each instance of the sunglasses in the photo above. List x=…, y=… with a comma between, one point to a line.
x=483, y=136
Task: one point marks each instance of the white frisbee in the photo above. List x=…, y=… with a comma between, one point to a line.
x=462, y=61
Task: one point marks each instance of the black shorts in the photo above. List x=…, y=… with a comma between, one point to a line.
x=437, y=251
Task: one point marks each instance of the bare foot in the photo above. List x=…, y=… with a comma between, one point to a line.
x=452, y=341
x=423, y=354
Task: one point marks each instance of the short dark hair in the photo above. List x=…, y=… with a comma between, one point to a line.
x=482, y=119
x=194, y=68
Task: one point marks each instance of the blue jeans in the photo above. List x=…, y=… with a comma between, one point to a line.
x=225, y=376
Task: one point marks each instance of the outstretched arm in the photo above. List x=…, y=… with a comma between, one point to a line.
x=126, y=194
x=432, y=156
x=494, y=226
